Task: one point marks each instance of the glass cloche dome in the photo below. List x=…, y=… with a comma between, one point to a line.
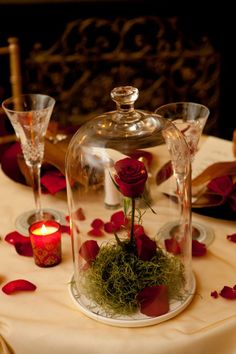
x=128, y=187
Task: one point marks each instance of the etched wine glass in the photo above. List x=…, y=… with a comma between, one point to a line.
x=190, y=118
x=29, y=115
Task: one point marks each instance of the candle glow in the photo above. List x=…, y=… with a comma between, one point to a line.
x=44, y=230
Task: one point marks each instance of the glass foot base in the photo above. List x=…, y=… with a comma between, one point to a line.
x=200, y=232
x=24, y=220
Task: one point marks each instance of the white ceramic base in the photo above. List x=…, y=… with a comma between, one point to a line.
x=137, y=320
x=24, y=220
x=205, y=234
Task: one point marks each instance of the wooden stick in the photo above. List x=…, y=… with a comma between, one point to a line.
x=234, y=142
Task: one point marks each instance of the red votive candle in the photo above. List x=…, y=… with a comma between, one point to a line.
x=45, y=237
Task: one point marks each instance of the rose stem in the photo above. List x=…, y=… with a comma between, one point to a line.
x=132, y=241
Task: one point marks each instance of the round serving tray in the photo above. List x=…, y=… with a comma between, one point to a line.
x=137, y=320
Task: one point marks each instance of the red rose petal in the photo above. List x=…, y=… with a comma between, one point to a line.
x=24, y=248
x=198, y=248
x=14, y=237
x=68, y=218
x=22, y=243
x=228, y=293
x=89, y=250
x=214, y=294
x=97, y=223
x=111, y=227
x=80, y=214
x=119, y=218
x=138, y=230
x=172, y=246
x=154, y=300
x=65, y=229
x=18, y=285
x=146, y=248
x=96, y=232
x=232, y=238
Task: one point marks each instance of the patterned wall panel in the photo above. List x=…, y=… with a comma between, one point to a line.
x=152, y=53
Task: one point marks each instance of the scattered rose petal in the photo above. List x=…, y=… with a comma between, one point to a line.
x=146, y=247
x=80, y=214
x=198, y=248
x=68, y=218
x=232, y=238
x=154, y=300
x=172, y=246
x=119, y=219
x=111, y=227
x=96, y=232
x=14, y=237
x=89, y=250
x=18, y=285
x=214, y=294
x=65, y=229
x=24, y=248
x=22, y=243
x=228, y=293
x=97, y=223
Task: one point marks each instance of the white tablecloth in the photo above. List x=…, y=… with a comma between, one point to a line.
x=47, y=321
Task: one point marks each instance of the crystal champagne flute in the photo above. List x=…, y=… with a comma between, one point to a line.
x=29, y=115
x=190, y=118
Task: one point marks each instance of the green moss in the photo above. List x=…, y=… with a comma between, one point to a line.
x=116, y=277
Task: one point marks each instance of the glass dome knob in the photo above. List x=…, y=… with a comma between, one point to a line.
x=125, y=96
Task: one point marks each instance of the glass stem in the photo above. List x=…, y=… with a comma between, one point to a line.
x=35, y=171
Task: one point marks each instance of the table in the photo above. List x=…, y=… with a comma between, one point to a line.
x=47, y=321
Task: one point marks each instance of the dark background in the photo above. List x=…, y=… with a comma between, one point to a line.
x=44, y=21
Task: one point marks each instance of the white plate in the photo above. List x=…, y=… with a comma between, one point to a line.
x=138, y=320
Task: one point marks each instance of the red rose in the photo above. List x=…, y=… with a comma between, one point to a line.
x=131, y=177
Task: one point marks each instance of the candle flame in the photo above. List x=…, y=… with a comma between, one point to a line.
x=44, y=230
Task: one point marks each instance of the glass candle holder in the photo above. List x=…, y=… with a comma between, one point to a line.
x=45, y=237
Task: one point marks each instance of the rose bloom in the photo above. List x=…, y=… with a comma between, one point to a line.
x=131, y=177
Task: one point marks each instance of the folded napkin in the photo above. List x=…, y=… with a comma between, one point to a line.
x=219, y=198
x=217, y=186
x=52, y=180
x=10, y=165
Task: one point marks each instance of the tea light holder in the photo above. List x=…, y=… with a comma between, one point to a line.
x=45, y=237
